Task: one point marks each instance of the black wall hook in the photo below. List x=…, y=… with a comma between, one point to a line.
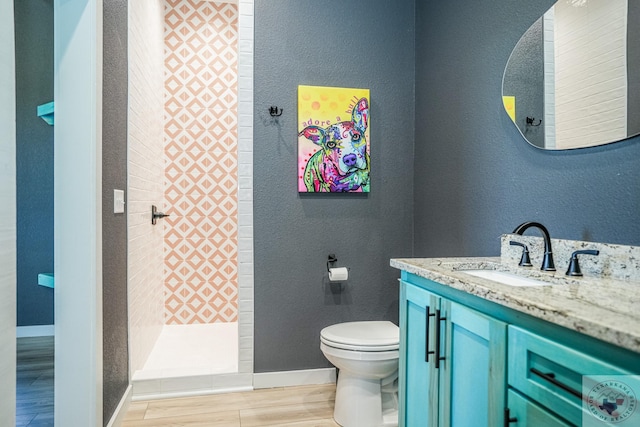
x=275, y=111
x=530, y=121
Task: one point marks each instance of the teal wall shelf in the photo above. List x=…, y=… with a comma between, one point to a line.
x=46, y=279
x=45, y=111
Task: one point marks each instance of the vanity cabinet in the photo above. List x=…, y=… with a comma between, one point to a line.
x=466, y=362
x=552, y=375
x=452, y=363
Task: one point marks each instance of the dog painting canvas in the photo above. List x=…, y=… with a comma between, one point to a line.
x=333, y=140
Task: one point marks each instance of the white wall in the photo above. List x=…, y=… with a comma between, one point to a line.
x=549, y=80
x=245, y=185
x=7, y=217
x=145, y=170
x=591, y=72
x=78, y=212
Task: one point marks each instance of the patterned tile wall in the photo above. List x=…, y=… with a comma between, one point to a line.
x=201, y=162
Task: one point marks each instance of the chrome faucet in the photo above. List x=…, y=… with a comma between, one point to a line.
x=547, y=260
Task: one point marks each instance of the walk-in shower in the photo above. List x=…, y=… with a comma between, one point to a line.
x=190, y=274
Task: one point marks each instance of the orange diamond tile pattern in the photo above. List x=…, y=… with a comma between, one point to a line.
x=201, y=162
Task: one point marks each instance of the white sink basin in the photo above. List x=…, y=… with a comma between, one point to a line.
x=506, y=278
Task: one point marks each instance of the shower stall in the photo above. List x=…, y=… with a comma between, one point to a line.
x=190, y=275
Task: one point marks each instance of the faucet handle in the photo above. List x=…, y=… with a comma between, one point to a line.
x=525, y=261
x=574, y=267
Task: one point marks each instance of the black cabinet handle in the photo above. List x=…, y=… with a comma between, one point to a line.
x=508, y=419
x=426, y=338
x=438, y=358
x=551, y=377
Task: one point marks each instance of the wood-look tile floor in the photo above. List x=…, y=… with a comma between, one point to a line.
x=34, y=382
x=305, y=406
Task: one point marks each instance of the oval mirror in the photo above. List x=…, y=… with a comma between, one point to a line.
x=573, y=79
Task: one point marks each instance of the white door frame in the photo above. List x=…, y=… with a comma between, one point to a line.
x=7, y=217
x=77, y=212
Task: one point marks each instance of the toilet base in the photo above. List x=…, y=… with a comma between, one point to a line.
x=361, y=403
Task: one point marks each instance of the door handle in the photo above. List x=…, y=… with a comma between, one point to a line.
x=551, y=377
x=427, y=352
x=437, y=351
x=508, y=419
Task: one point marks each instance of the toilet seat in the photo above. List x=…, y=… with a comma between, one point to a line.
x=359, y=354
x=369, y=336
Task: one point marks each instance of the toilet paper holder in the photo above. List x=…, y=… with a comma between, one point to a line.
x=331, y=259
x=336, y=274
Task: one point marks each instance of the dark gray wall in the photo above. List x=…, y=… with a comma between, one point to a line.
x=364, y=44
x=475, y=177
x=114, y=226
x=34, y=159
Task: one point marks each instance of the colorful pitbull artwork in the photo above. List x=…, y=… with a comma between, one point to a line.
x=342, y=162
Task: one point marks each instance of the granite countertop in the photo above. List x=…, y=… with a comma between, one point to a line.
x=605, y=308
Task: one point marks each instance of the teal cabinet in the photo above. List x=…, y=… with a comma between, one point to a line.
x=473, y=373
x=452, y=363
x=418, y=379
x=468, y=362
x=552, y=375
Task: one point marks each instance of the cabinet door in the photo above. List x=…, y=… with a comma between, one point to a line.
x=417, y=376
x=528, y=414
x=473, y=372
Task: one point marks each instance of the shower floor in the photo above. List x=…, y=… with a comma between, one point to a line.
x=192, y=350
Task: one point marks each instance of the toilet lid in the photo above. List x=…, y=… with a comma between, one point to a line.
x=365, y=336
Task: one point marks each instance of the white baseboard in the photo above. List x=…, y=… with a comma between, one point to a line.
x=118, y=416
x=197, y=385
x=35, y=331
x=294, y=378
x=186, y=386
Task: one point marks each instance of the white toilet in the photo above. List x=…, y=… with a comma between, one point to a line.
x=366, y=354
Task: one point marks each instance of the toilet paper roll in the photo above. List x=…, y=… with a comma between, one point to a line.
x=338, y=274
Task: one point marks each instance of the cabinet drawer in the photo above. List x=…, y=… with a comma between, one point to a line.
x=551, y=373
x=529, y=414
